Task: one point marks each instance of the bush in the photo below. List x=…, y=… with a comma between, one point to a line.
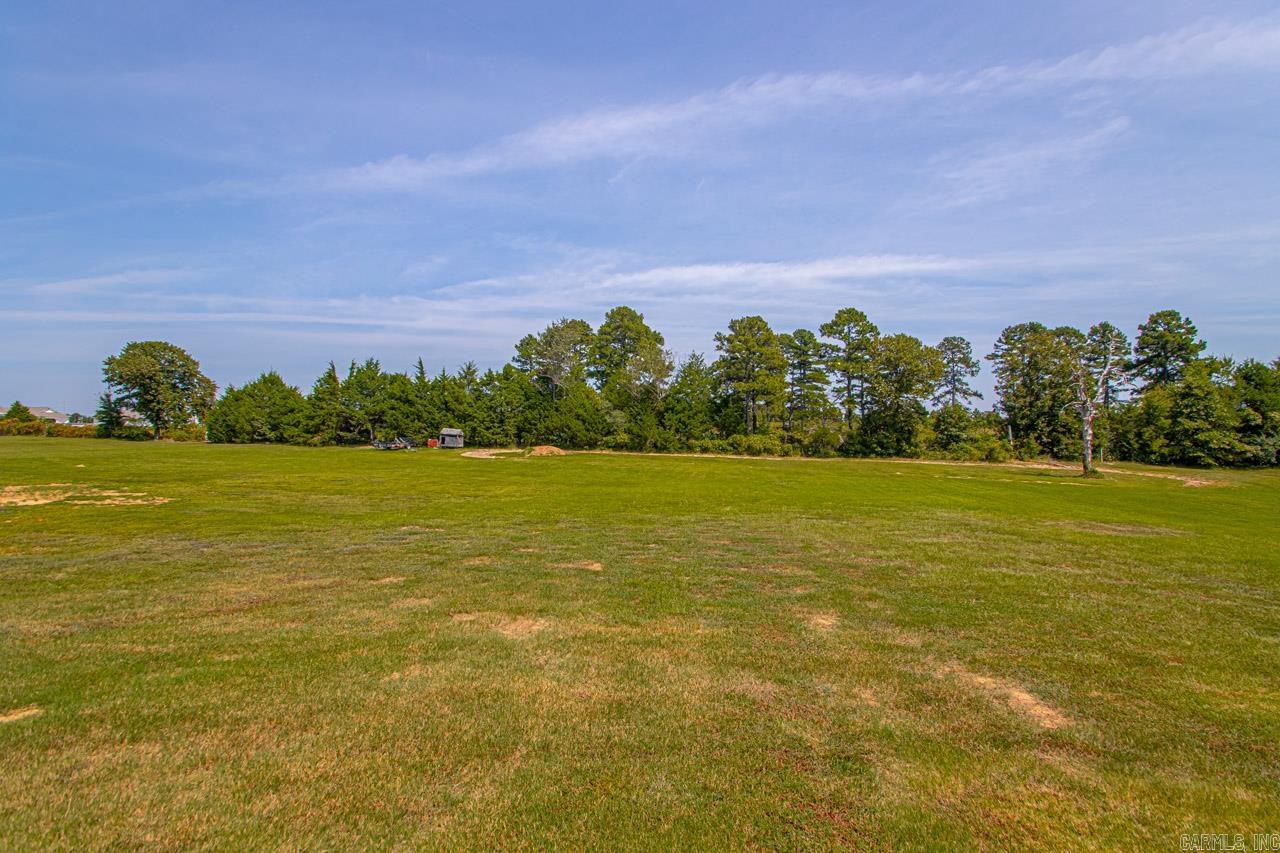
x=128, y=433
x=187, y=432
x=756, y=445
x=11, y=426
x=71, y=431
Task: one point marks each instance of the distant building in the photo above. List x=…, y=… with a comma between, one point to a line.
x=44, y=413
x=450, y=437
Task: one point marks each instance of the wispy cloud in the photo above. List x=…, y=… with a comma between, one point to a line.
x=110, y=281
x=666, y=128
x=705, y=294
x=1006, y=170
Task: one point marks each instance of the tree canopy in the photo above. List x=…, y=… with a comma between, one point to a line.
x=162, y=382
x=847, y=388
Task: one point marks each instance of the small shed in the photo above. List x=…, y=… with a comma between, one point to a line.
x=450, y=437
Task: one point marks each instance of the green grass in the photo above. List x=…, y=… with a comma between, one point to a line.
x=347, y=648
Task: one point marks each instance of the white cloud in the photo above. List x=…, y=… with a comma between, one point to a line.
x=98, y=283
x=666, y=128
x=999, y=173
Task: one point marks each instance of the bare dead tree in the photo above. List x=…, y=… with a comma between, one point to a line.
x=1097, y=361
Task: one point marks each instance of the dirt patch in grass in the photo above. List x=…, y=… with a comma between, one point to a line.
x=589, y=565
x=20, y=714
x=480, y=560
x=512, y=627
x=411, y=672
x=520, y=627
x=487, y=453
x=390, y=579
x=1109, y=529
x=824, y=622
x=1015, y=696
x=547, y=450
x=67, y=493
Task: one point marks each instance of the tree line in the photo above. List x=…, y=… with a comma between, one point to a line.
x=845, y=389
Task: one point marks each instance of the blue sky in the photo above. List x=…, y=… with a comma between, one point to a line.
x=274, y=185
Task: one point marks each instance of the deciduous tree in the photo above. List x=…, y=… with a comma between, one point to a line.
x=904, y=374
x=162, y=382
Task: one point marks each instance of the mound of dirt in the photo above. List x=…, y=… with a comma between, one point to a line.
x=547, y=450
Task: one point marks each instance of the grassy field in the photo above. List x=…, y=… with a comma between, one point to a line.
x=348, y=648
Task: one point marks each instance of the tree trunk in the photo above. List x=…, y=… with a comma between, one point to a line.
x=1086, y=434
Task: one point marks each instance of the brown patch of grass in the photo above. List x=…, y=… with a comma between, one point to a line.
x=901, y=636
x=589, y=565
x=67, y=493
x=479, y=560
x=512, y=627
x=758, y=689
x=389, y=579
x=823, y=622
x=410, y=672
x=520, y=627
x=1014, y=695
x=20, y=714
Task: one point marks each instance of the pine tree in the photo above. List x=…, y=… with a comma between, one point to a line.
x=325, y=414
x=752, y=369
x=958, y=367
x=1166, y=345
x=849, y=358
x=18, y=412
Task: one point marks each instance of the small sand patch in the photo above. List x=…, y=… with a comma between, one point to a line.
x=20, y=714
x=547, y=450
x=389, y=579
x=589, y=565
x=488, y=453
x=1016, y=697
x=481, y=560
